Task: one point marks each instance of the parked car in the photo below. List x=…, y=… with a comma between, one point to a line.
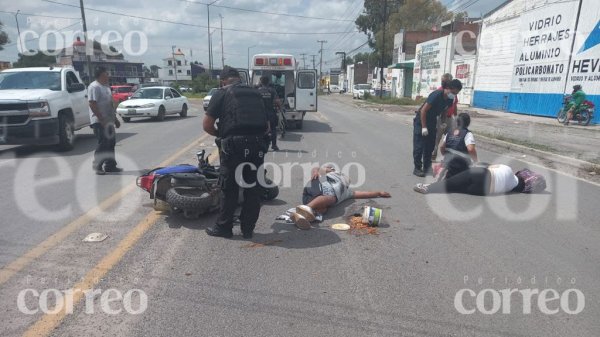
x=206, y=99
x=359, y=91
x=121, y=93
x=155, y=102
x=42, y=106
x=185, y=89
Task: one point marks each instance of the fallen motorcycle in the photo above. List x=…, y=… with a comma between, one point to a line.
x=192, y=190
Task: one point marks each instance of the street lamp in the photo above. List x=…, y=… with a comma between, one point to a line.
x=18, y=30
x=249, y=55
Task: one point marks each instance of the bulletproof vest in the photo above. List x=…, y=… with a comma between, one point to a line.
x=455, y=162
x=267, y=96
x=243, y=112
x=457, y=142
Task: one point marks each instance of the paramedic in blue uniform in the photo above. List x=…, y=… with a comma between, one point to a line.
x=425, y=125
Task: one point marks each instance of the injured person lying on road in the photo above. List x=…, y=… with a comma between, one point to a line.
x=326, y=189
x=487, y=180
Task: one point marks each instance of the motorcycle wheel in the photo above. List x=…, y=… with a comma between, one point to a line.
x=584, y=117
x=562, y=116
x=187, y=199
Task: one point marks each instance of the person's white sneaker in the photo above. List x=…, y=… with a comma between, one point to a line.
x=421, y=188
x=306, y=212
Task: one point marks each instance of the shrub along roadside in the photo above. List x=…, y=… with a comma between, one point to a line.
x=394, y=100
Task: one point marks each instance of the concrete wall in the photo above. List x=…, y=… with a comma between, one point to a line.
x=525, y=47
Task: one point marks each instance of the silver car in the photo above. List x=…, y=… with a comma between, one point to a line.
x=206, y=99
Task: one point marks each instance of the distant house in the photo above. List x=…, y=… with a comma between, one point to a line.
x=4, y=65
x=175, y=68
x=120, y=70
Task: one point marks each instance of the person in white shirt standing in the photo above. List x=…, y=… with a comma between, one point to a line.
x=103, y=120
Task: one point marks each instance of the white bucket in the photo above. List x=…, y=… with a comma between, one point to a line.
x=372, y=216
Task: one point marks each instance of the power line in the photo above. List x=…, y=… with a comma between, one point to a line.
x=37, y=38
x=265, y=12
x=195, y=25
x=39, y=15
x=352, y=13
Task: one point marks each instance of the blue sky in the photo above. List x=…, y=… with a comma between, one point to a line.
x=340, y=33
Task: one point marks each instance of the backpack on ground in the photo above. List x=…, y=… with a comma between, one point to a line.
x=243, y=112
x=534, y=182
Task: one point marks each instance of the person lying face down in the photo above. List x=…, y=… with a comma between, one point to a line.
x=327, y=189
x=494, y=179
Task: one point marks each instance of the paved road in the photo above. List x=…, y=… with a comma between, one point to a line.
x=401, y=282
x=580, y=142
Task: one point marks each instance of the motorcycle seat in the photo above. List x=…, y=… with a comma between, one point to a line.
x=188, y=180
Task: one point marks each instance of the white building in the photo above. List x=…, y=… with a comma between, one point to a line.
x=175, y=68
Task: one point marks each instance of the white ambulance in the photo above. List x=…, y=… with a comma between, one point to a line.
x=297, y=88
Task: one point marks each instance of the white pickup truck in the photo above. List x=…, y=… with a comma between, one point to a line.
x=42, y=106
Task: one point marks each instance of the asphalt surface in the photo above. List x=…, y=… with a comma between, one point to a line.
x=288, y=282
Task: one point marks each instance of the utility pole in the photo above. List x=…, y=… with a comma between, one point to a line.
x=85, y=37
x=249, y=56
x=209, y=49
x=382, y=50
x=303, y=60
x=313, y=61
x=210, y=61
x=321, y=62
x=174, y=63
x=19, y=31
x=343, y=60
x=222, y=50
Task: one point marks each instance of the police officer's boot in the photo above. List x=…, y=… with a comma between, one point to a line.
x=219, y=232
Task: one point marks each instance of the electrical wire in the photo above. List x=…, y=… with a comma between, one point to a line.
x=39, y=15
x=265, y=12
x=194, y=25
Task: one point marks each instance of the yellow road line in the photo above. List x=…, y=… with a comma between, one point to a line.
x=21, y=262
x=47, y=323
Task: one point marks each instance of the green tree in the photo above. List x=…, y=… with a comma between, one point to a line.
x=203, y=83
x=39, y=59
x=372, y=59
x=401, y=14
x=3, y=36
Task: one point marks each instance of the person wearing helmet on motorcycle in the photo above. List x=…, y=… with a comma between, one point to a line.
x=577, y=99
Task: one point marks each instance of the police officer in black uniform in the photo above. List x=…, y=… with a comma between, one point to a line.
x=270, y=100
x=242, y=124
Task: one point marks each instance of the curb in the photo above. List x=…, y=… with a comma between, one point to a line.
x=576, y=164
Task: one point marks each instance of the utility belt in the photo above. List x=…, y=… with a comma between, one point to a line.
x=231, y=144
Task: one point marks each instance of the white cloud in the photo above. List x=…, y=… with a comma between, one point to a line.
x=161, y=36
